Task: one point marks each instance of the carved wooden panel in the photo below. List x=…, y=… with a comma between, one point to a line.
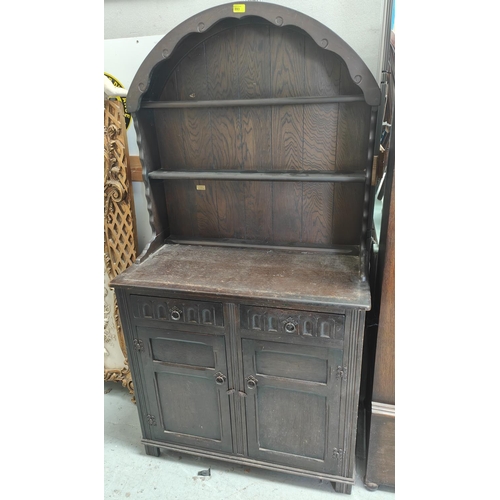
x=283, y=321
x=177, y=311
x=120, y=240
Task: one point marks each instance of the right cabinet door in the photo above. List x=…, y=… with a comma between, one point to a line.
x=293, y=404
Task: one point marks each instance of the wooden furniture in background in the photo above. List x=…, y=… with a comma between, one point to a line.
x=244, y=316
x=380, y=467
x=120, y=240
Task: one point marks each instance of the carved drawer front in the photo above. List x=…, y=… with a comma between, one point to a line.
x=288, y=322
x=189, y=312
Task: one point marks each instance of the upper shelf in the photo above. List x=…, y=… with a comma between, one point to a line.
x=359, y=176
x=270, y=101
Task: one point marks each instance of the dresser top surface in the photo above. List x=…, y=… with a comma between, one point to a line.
x=303, y=277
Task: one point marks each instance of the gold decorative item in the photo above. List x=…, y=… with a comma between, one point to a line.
x=120, y=238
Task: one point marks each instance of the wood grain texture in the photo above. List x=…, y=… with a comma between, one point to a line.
x=170, y=135
x=207, y=208
x=254, y=81
x=380, y=463
x=221, y=59
x=352, y=144
x=276, y=384
x=231, y=209
x=322, y=78
x=317, y=211
x=287, y=212
x=181, y=204
x=274, y=275
x=135, y=169
x=384, y=379
x=196, y=123
x=262, y=61
x=258, y=211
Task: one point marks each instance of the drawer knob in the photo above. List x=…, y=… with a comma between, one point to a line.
x=220, y=378
x=175, y=314
x=251, y=382
x=290, y=325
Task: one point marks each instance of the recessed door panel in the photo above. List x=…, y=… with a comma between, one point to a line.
x=186, y=379
x=292, y=404
x=289, y=430
x=181, y=398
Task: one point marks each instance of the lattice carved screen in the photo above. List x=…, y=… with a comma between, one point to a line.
x=120, y=237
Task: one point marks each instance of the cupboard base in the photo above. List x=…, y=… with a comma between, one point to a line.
x=340, y=484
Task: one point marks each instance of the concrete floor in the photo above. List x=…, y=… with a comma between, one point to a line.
x=130, y=473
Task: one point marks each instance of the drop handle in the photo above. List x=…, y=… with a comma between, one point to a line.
x=251, y=382
x=220, y=378
x=175, y=314
x=290, y=325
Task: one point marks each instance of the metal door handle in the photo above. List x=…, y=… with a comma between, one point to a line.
x=220, y=378
x=251, y=382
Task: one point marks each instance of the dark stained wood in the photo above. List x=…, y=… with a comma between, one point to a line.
x=322, y=78
x=287, y=212
x=231, y=209
x=287, y=76
x=380, y=469
x=270, y=101
x=222, y=83
x=262, y=61
x=293, y=176
x=180, y=196
x=196, y=123
x=238, y=272
x=246, y=327
x=145, y=127
x=207, y=211
x=380, y=464
x=317, y=212
x=187, y=404
x=254, y=81
x=258, y=211
x=261, y=245
x=352, y=144
x=292, y=420
x=145, y=84
x=170, y=136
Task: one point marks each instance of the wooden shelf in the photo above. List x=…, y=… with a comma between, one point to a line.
x=270, y=101
x=233, y=243
x=291, y=176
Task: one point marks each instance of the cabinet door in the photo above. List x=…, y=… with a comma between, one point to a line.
x=292, y=404
x=186, y=383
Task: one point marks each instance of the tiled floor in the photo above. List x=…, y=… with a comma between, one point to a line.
x=130, y=473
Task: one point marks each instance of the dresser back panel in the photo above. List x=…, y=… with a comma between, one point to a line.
x=252, y=61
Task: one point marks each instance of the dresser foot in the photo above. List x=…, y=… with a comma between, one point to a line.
x=154, y=451
x=371, y=486
x=342, y=487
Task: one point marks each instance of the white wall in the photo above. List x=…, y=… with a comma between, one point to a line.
x=359, y=22
x=133, y=27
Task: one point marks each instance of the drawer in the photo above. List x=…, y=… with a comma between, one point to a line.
x=177, y=311
x=290, y=322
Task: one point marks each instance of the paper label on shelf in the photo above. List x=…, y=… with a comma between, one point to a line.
x=200, y=187
x=239, y=8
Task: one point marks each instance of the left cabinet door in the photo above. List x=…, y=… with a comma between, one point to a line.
x=186, y=382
